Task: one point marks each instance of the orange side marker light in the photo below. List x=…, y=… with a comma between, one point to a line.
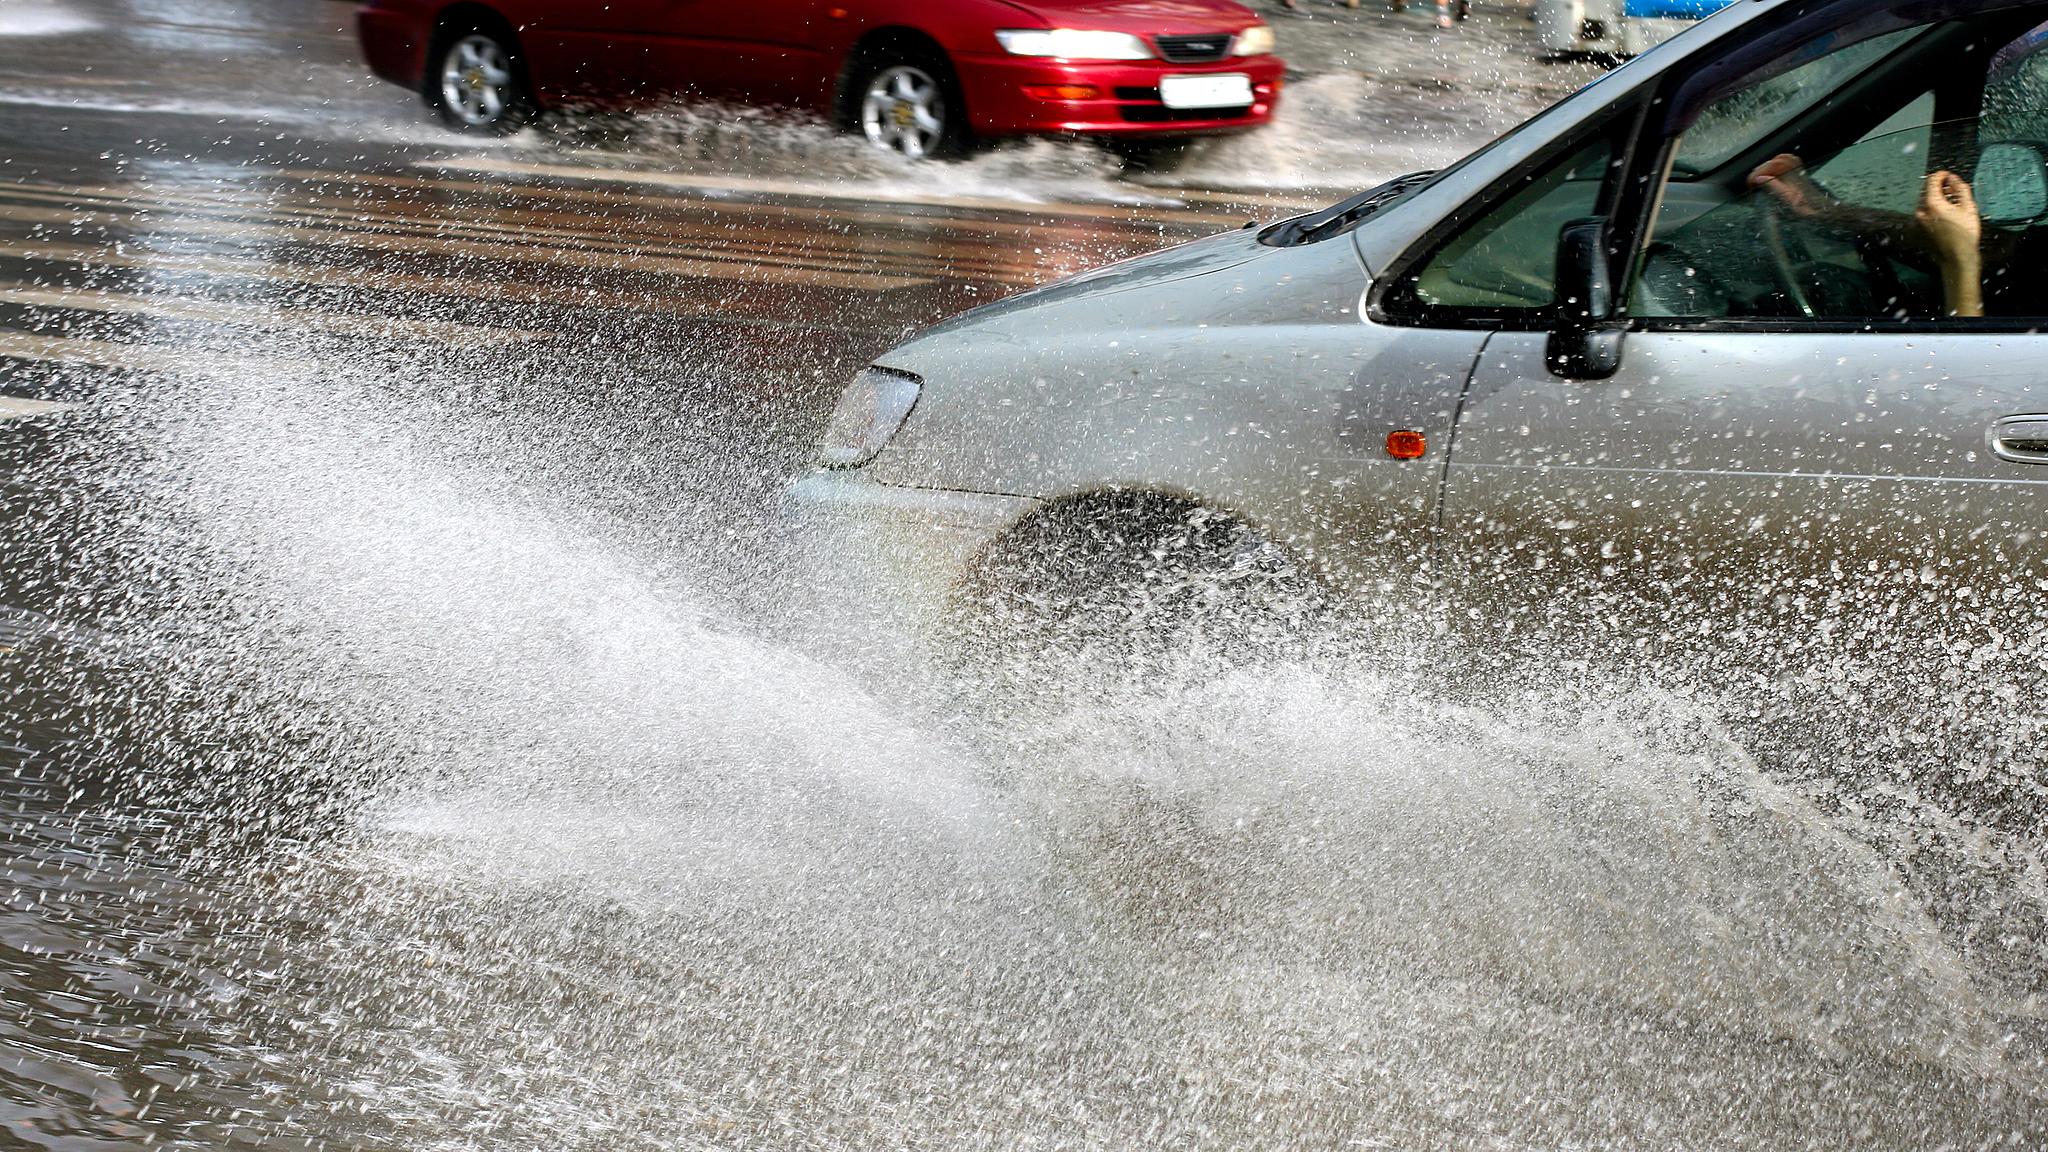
x=1062, y=91
x=1407, y=445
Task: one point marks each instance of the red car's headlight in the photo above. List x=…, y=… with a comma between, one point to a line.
x=1256, y=40
x=1073, y=44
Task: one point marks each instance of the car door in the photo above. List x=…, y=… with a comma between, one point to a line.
x=762, y=52
x=596, y=53
x=1799, y=433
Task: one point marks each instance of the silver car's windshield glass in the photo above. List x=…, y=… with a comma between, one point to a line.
x=1732, y=123
x=1544, y=125
x=1541, y=126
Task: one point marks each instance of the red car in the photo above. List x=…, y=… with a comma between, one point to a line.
x=924, y=77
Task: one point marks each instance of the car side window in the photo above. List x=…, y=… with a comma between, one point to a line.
x=1507, y=259
x=1924, y=216
x=1885, y=168
x=1727, y=126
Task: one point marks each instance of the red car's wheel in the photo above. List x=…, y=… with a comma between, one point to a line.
x=475, y=81
x=910, y=104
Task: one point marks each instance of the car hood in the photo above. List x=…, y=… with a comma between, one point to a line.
x=1144, y=17
x=1197, y=258
x=1226, y=315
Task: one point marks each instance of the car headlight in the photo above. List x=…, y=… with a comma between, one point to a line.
x=870, y=411
x=1073, y=44
x=1256, y=40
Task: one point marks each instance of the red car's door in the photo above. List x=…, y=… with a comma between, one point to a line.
x=757, y=51
x=577, y=50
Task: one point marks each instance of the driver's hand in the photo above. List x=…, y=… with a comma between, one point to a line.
x=1948, y=214
x=1784, y=177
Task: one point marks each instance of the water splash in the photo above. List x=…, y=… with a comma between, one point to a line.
x=631, y=871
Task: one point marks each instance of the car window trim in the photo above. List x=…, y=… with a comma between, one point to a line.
x=1917, y=326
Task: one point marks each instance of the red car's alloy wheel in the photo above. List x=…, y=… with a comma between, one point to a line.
x=478, y=88
x=904, y=110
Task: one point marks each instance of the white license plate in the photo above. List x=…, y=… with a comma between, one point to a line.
x=1230, y=90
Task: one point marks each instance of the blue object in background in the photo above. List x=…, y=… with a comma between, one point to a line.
x=1672, y=9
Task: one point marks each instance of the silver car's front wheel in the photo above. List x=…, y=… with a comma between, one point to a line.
x=904, y=109
x=1113, y=588
x=479, y=90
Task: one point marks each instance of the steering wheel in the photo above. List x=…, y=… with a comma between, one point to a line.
x=1887, y=287
x=1783, y=261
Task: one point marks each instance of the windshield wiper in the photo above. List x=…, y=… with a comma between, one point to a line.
x=1343, y=214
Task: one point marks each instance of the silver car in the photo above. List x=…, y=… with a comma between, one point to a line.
x=1757, y=316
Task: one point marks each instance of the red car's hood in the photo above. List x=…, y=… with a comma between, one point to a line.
x=1145, y=17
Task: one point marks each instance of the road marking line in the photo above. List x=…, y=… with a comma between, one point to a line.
x=500, y=166
x=75, y=350
x=784, y=271
x=1042, y=249
x=257, y=315
x=22, y=408
x=613, y=200
x=165, y=359
x=724, y=243
x=610, y=203
x=991, y=261
x=688, y=302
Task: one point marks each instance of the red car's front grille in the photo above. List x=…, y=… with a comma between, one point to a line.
x=1203, y=49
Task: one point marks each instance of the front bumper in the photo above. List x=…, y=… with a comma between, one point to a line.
x=881, y=555
x=1000, y=103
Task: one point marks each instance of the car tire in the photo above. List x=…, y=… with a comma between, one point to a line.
x=906, y=100
x=476, y=80
x=1121, y=587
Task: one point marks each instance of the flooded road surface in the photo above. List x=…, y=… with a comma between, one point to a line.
x=414, y=737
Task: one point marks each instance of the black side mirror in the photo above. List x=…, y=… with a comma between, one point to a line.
x=1585, y=343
